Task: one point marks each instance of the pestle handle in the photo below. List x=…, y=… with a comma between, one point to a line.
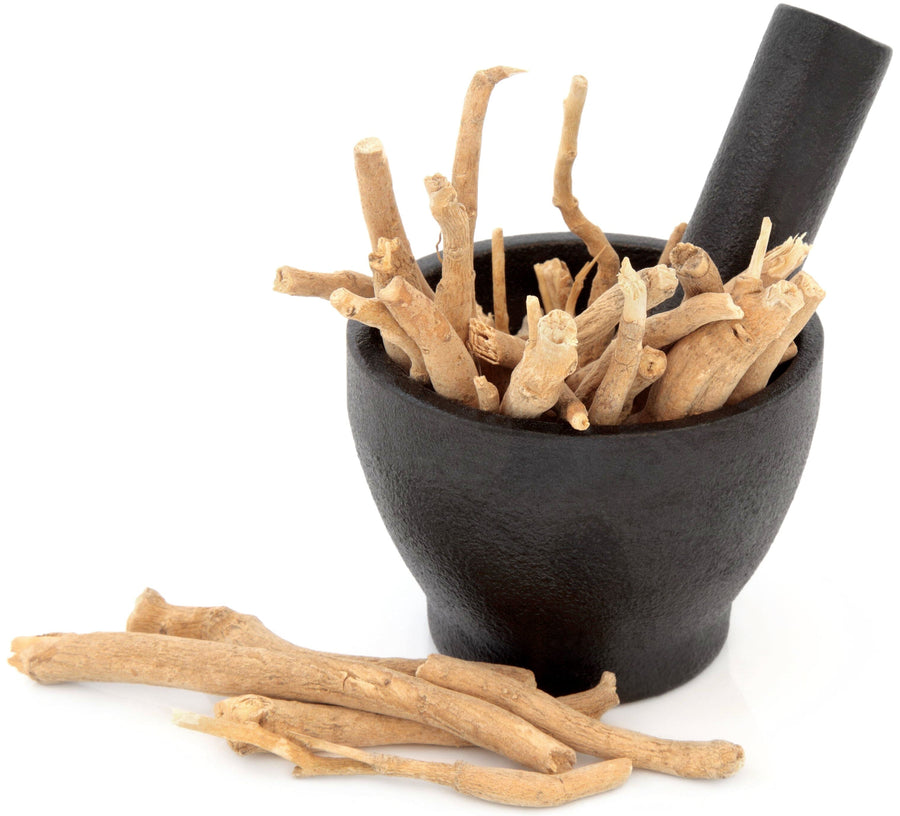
x=793, y=128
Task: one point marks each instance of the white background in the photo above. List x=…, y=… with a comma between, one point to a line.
x=169, y=421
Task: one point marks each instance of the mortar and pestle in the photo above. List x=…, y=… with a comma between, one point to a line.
x=574, y=553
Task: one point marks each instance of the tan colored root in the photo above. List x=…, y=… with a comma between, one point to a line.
x=228, y=670
x=784, y=259
x=755, y=267
x=468, y=142
x=789, y=353
x=488, y=395
x=392, y=259
x=695, y=270
x=495, y=346
x=609, y=399
x=347, y=726
x=595, y=701
x=661, y=331
x=549, y=357
x=455, y=294
x=705, y=367
x=674, y=238
x=597, y=322
x=505, y=786
x=651, y=366
x=376, y=192
x=498, y=273
x=597, y=244
x=554, y=283
x=577, y=286
x=502, y=785
x=449, y=364
x=571, y=409
x=701, y=760
x=153, y=615
x=757, y=376
x=252, y=734
x=290, y=281
x=400, y=348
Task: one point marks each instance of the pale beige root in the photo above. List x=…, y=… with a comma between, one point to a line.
x=153, y=615
x=695, y=270
x=449, y=364
x=563, y=198
x=597, y=323
x=660, y=331
x=348, y=726
x=754, y=268
x=397, y=342
x=263, y=739
x=577, y=286
x=595, y=701
x=503, y=785
x=498, y=274
x=468, y=141
x=789, y=353
x=507, y=786
x=750, y=280
x=550, y=356
x=488, y=395
x=651, y=367
x=705, y=367
x=757, y=376
x=571, y=409
x=229, y=670
x=701, y=760
x=300, y=282
x=495, y=346
x=782, y=260
x=455, y=294
x=674, y=238
x=363, y=728
x=391, y=260
x=609, y=399
x=554, y=283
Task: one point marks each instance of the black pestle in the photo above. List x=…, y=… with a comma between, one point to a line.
x=793, y=128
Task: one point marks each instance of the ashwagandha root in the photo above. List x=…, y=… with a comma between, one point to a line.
x=784, y=259
x=705, y=367
x=597, y=323
x=571, y=409
x=153, y=615
x=661, y=331
x=300, y=282
x=228, y=670
x=701, y=760
x=400, y=348
x=609, y=399
x=348, y=726
x=488, y=394
x=498, y=275
x=449, y=364
x=757, y=376
x=563, y=198
x=674, y=238
x=506, y=786
x=455, y=294
x=651, y=366
x=391, y=260
x=578, y=286
x=549, y=357
x=554, y=283
x=468, y=141
x=695, y=270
